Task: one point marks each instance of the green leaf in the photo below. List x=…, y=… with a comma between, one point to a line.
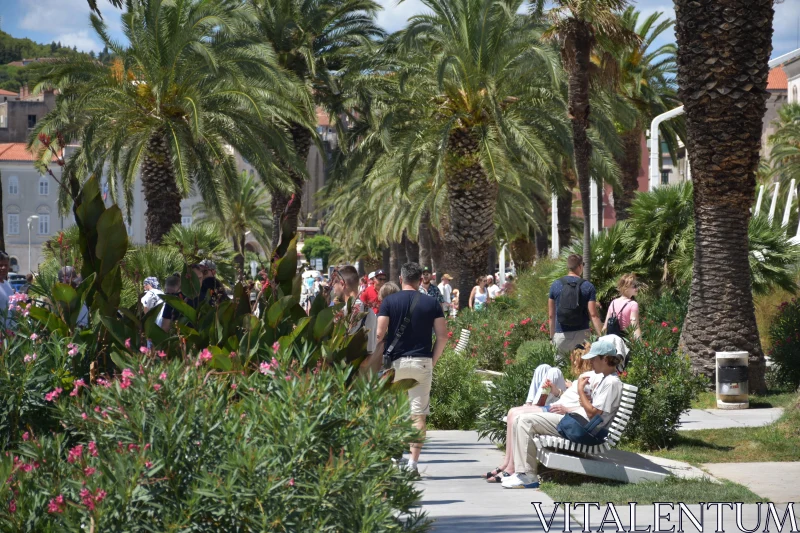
x=48, y=320
x=120, y=360
x=190, y=283
x=323, y=323
x=276, y=310
x=112, y=239
x=181, y=306
x=221, y=360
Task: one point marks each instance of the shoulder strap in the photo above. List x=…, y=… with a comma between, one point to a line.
x=402, y=328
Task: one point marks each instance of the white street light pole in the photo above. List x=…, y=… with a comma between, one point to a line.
x=30, y=219
x=655, y=145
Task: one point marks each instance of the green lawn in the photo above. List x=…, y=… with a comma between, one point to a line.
x=708, y=400
x=564, y=487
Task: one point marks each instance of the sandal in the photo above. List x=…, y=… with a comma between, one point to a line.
x=494, y=473
x=498, y=478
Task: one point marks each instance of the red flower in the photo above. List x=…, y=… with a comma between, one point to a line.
x=675, y=330
x=505, y=344
x=664, y=325
x=450, y=335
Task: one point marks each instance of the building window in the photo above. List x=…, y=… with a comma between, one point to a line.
x=44, y=186
x=665, y=177
x=13, y=185
x=31, y=121
x=186, y=221
x=13, y=225
x=44, y=224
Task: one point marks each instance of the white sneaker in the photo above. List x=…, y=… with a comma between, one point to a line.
x=520, y=481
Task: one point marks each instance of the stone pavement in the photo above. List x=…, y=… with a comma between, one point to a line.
x=460, y=501
x=720, y=418
x=777, y=482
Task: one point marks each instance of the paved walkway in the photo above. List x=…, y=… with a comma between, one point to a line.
x=777, y=482
x=722, y=418
x=460, y=501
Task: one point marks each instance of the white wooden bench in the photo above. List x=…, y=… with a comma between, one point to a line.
x=463, y=341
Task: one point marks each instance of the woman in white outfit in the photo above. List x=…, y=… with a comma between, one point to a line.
x=479, y=295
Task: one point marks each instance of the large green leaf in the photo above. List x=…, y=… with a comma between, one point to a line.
x=323, y=324
x=276, y=310
x=112, y=239
x=190, y=283
x=182, y=307
x=221, y=360
x=50, y=321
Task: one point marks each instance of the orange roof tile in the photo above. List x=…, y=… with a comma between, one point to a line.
x=15, y=152
x=323, y=119
x=3, y=92
x=777, y=80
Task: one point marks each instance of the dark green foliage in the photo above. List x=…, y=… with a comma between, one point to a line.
x=667, y=385
x=785, y=351
x=510, y=391
x=178, y=449
x=457, y=395
x=318, y=247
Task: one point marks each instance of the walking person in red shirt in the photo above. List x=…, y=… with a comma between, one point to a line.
x=370, y=297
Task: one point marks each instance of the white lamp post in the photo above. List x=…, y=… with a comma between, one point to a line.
x=30, y=219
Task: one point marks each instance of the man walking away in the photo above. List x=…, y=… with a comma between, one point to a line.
x=152, y=294
x=572, y=304
x=447, y=293
x=407, y=322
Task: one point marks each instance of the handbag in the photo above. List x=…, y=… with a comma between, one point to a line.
x=577, y=429
x=387, y=355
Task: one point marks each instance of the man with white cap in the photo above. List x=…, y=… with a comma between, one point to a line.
x=594, y=393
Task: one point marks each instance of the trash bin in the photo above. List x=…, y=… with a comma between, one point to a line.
x=732, y=374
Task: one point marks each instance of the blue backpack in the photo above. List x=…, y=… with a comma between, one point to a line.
x=577, y=429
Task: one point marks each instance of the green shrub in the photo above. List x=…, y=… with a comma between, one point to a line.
x=457, y=394
x=511, y=390
x=174, y=447
x=667, y=386
x=530, y=349
x=785, y=351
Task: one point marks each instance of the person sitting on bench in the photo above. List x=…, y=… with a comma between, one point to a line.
x=595, y=393
x=547, y=386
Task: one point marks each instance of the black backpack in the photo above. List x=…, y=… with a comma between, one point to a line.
x=613, y=326
x=570, y=313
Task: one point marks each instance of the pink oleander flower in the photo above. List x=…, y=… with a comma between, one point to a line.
x=162, y=376
x=233, y=386
x=156, y=387
x=288, y=377
x=12, y=506
x=72, y=349
x=265, y=368
x=276, y=346
x=204, y=356
x=148, y=464
x=26, y=436
x=128, y=373
x=675, y=330
x=103, y=382
x=75, y=453
x=143, y=349
x=124, y=383
x=52, y=396
x=127, y=343
x=664, y=324
x=133, y=447
x=89, y=471
x=291, y=482
x=56, y=505
x=29, y=358
x=97, y=409
x=161, y=353
x=84, y=416
x=232, y=355
x=87, y=499
x=34, y=336
x=99, y=495
x=92, y=449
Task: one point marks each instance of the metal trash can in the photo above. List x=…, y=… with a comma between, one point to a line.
x=732, y=377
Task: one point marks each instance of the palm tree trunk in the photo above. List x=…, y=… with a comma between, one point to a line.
x=394, y=262
x=524, y=253
x=723, y=87
x=437, y=252
x=386, y=259
x=425, y=241
x=579, y=109
x=286, y=206
x=564, y=205
x=412, y=249
x=629, y=164
x=2, y=216
x=472, y=197
x=239, y=246
x=160, y=189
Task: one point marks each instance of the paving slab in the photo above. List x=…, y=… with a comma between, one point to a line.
x=459, y=500
x=777, y=482
x=695, y=419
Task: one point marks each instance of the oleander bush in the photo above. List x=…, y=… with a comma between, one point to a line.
x=171, y=446
x=457, y=394
x=785, y=345
x=511, y=390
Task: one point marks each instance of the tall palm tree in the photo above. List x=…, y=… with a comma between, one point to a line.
x=646, y=81
x=315, y=41
x=184, y=91
x=244, y=210
x=577, y=25
x=723, y=87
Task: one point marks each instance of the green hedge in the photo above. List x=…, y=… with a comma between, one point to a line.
x=458, y=394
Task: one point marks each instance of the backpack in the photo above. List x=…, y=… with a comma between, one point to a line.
x=570, y=313
x=613, y=325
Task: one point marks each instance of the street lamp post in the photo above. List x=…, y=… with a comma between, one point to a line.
x=30, y=219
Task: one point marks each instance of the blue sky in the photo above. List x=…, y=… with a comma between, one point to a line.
x=68, y=20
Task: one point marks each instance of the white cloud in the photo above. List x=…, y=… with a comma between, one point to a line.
x=81, y=39
x=395, y=15
x=56, y=16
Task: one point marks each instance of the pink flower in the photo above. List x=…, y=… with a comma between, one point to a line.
x=84, y=416
x=87, y=499
x=162, y=354
x=127, y=343
x=233, y=386
x=128, y=373
x=72, y=349
x=148, y=464
x=675, y=330
x=156, y=387
x=92, y=449
x=291, y=482
x=288, y=377
x=12, y=506
x=75, y=453
x=143, y=349
x=56, y=505
x=34, y=336
x=52, y=396
x=204, y=356
x=232, y=355
x=265, y=368
x=29, y=358
x=79, y=383
x=26, y=436
x=99, y=495
x=276, y=346
x=450, y=335
x=664, y=324
x=103, y=382
x=97, y=409
x=162, y=376
x=89, y=471
x=124, y=383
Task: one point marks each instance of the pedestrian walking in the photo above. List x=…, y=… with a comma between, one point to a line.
x=571, y=307
x=430, y=288
x=623, y=312
x=152, y=294
x=407, y=322
x=446, y=290
x=479, y=296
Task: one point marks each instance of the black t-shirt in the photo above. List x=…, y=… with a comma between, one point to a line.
x=170, y=313
x=212, y=289
x=417, y=340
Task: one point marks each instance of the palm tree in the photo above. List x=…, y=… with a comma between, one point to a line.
x=172, y=105
x=578, y=25
x=244, y=210
x=646, y=81
x=723, y=87
x=316, y=41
